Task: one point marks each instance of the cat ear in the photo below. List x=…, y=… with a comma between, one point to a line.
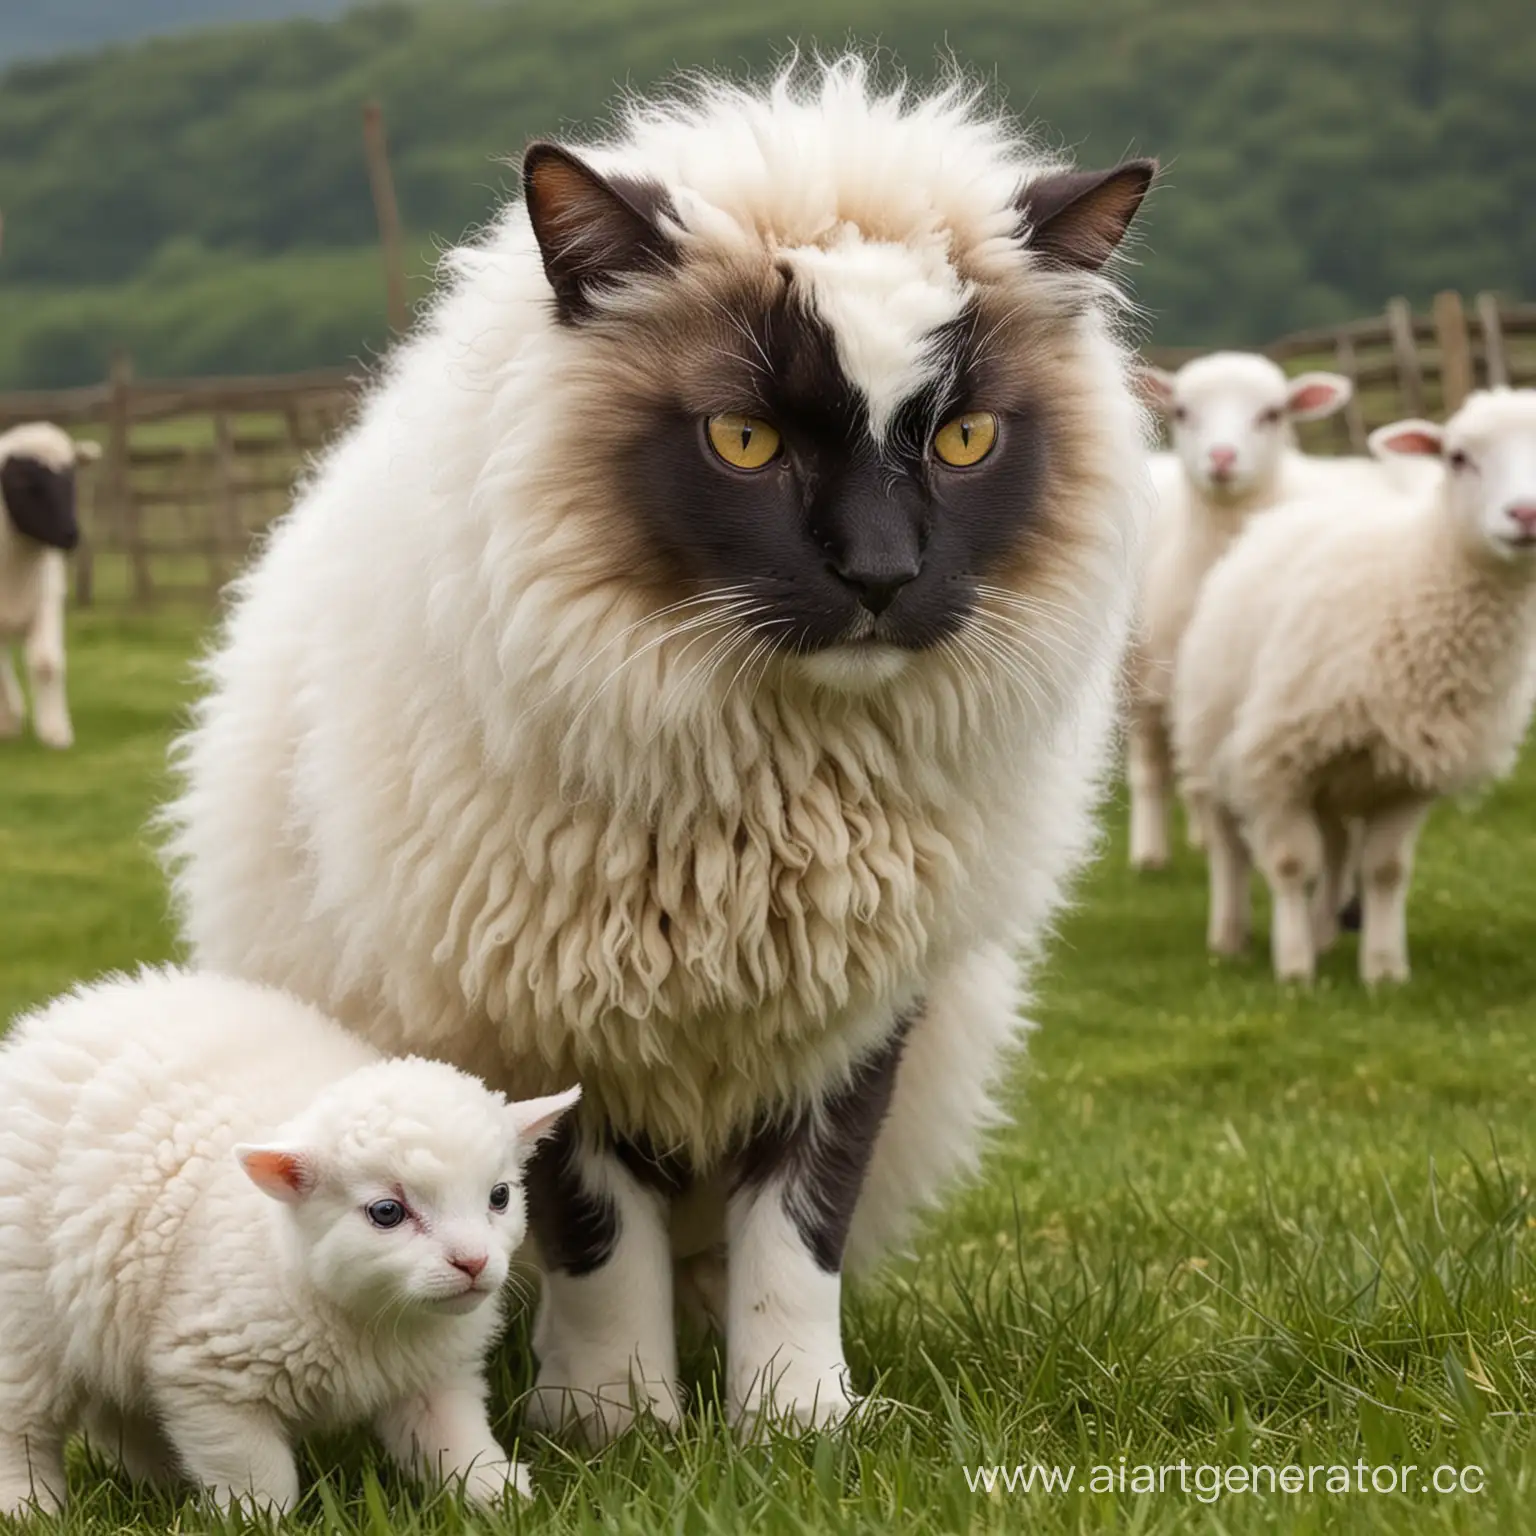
x=592, y=231
x=536, y=1118
x=1077, y=218
x=288, y=1174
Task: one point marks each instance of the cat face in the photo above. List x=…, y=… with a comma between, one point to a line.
x=846, y=441
x=403, y=1187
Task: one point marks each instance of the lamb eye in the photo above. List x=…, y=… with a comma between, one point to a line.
x=1181, y=413
x=1270, y=417
x=385, y=1213
x=1459, y=460
x=744, y=442
x=966, y=439
x=501, y=1197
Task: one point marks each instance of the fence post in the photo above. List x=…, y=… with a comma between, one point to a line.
x=125, y=512
x=85, y=554
x=227, y=533
x=1405, y=353
x=1455, y=350
x=387, y=211
x=1495, y=363
x=1354, y=411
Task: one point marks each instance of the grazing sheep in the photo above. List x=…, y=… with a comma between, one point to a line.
x=37, y=486
x=1230, y=416
x=693, y=676
x=1352, y=662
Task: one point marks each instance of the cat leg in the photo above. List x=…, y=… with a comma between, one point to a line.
x=13, y=706
x=133, y=1441
x=45, y=669
x=238, y=1451
x=605, y=1334
x=445, y=1435
x=31, y=1465
x=787, y=1223
x=956, y=1050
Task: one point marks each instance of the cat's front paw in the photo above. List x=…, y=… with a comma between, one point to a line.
x=796, y=1395
x=489, y=1482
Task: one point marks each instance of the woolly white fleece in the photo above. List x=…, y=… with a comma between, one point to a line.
x=413, y=796
x=34, y=582
x=150, y=1286
x=1356, y=659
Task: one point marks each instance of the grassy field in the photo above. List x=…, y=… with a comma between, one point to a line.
x=1234, y=1225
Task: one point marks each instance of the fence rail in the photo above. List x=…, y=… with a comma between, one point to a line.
x=194, y=469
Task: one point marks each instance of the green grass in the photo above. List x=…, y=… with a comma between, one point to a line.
x=1234, y=1224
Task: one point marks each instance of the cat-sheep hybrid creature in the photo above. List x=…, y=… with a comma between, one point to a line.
x=692, y=676
x=224, y=1220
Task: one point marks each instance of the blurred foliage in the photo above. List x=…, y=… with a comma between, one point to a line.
x=202, y=199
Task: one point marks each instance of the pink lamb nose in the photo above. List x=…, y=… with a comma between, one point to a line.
x=1222, y=459
x=470, y=1263
x=1525, y=515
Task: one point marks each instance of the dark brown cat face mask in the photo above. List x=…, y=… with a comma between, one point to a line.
x=40, y=501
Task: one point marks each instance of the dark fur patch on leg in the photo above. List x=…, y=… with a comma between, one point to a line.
x=576, y=1227
x=822, y=1156
x=668, y=1173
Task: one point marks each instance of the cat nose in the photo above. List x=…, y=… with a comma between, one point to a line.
x=470, y=1263
x=876, y=589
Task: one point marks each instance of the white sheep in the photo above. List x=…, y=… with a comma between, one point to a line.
x=1353, y=661
x=1231, y=418
x=37, y=486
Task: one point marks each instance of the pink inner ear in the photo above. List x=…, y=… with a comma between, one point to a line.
x=1411, y=440
x=278, y=1172
x=1313, y=397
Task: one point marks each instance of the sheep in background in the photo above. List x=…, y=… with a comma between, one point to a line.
x=1234, y=454
x=37, y=486
x=1350, y=660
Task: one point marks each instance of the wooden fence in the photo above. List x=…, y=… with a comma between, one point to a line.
x=193, y=470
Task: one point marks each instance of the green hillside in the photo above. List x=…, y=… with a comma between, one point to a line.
x=202, y=200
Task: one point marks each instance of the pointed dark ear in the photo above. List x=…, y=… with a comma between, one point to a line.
x=1077, y=218
x=591, y=231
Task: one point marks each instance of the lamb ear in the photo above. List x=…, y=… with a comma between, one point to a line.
x=1078, y=218
x=1155, y=386
x=592, y=231
x=1311, y=396
x=86, y=452
x=288, y=1174
x=1411, y=438
x=536, y=1118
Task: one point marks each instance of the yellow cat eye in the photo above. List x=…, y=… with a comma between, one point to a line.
x=966, y=439
x=744, y=442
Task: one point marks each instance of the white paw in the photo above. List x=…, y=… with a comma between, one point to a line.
x=596, y=1401
x=797, y=1396
x=489, y=1482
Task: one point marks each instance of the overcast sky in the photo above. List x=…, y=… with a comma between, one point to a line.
x=39, y=28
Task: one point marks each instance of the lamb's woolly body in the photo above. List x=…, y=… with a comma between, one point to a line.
x=1350, y=653
x=34, y=583
x=1355, y=662
x=140, y=1267
x=1195, y=523
x=523, y=825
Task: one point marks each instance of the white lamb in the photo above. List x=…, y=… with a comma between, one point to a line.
x=1231, y=417
x=37, y=487
x=225, y=1220
x=1353, y=660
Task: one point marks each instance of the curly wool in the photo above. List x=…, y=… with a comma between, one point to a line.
x=459, y=782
